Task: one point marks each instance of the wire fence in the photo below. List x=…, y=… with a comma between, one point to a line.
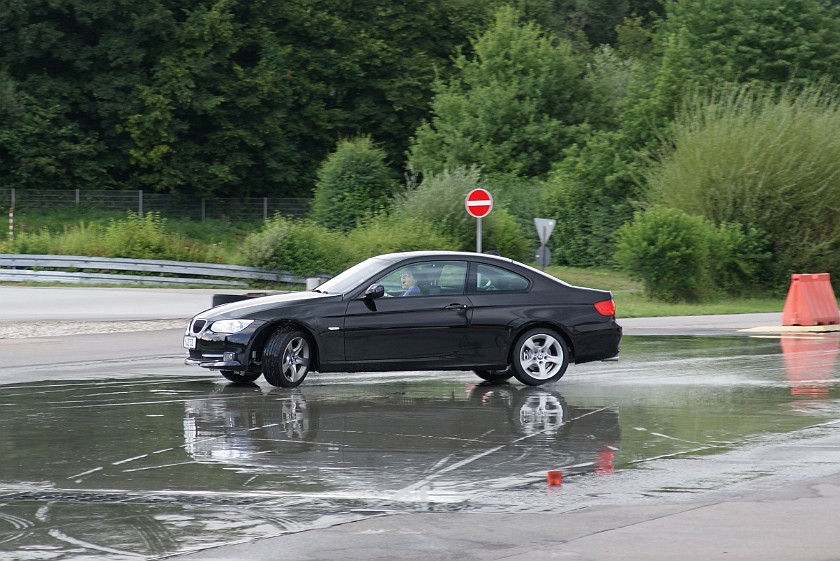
x=141, y=202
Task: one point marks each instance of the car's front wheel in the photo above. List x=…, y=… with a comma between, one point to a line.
x=240, y=377
x=540, y=356
x=286, y=358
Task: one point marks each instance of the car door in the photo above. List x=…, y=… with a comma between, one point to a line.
x=498, y=297
x=427, y=328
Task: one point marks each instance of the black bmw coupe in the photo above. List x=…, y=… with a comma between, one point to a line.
x=423, y=310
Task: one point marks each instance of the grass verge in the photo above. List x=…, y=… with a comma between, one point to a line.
x=631, y=301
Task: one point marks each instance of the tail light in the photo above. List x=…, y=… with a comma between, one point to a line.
x=606, y=307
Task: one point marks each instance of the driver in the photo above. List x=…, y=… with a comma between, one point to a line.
x=409, y=284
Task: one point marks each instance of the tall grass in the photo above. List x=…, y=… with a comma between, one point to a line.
x=762, y=159
x=134, y=236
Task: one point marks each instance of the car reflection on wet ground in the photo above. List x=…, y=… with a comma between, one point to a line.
x=170, y=463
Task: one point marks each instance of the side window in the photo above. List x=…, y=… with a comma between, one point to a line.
x=426, y=278
x=453, y=276
x=496, y=279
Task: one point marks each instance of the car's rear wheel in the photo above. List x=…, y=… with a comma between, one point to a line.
x=240, y=377
x=540, y=356
x=286, y=358
x=494, y=376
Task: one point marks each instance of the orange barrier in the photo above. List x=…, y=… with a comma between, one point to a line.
x=810, y=362
x=810, y=301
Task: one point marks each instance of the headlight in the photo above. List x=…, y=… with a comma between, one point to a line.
x=230, y=325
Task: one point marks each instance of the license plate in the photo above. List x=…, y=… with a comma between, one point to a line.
x=189, y=342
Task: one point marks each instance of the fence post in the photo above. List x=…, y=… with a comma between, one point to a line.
x=203, y=210
x=265, y=208
x=11, y=223
x=77, y=198
x=140, y=200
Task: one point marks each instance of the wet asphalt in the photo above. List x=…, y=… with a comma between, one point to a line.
x=773, y=497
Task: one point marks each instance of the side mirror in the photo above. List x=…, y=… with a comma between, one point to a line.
x=375, y=291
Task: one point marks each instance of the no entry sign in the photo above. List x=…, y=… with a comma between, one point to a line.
x=479, y=203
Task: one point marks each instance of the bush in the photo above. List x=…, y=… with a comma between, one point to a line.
x=353, y=184
x=741, y=260
x=439, y=200
x=669, y=251
x=389, y=234
x=137, y=236
x=683, y=257
x=305, y=248
x=299, y=247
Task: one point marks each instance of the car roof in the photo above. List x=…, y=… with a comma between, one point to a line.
x=471, y=255
x=442, y=254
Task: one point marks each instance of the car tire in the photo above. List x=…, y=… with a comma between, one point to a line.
x=240, y=377
x=286, y=358
x=494, y=376
x=540, y=356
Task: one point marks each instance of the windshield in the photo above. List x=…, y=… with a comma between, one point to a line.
x=352, y=277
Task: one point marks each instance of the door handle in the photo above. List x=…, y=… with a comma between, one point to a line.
x=456, y=307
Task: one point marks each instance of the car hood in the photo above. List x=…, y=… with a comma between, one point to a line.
x=252, y=307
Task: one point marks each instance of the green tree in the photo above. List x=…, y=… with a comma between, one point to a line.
x=595, y=20
x=755, y=40
x=596, y=187
x=75, y=65
x=214, y=113
x=705, y=43
x=217, y=97
x=354, y=183
x=511, y=107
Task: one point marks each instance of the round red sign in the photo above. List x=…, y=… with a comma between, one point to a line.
x=479, y=203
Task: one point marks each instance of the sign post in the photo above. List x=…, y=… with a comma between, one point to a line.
x=479, y=203
x=544, y=228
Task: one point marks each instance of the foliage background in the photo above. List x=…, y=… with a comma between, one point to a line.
x=592, y=112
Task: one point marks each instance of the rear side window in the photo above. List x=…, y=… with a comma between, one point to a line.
x=496, y=279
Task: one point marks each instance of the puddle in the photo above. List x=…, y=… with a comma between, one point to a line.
x=122, y=469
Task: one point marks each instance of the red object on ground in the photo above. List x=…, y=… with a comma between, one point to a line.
x=555, y=478
x=810, y=301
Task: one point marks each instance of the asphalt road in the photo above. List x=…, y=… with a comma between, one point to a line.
x=36, y=304
x=795, y=520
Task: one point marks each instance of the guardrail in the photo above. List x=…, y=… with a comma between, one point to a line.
x=42, y=268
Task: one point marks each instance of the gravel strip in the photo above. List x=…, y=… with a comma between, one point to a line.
x=19, y=329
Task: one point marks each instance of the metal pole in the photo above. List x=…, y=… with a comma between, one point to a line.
x=265, y=208
x=478, y=235
x=544, y=237
x=140, y=200
x=12, y=218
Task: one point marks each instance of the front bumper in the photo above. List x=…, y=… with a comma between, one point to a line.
x=216, y=364
x=221, y=351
